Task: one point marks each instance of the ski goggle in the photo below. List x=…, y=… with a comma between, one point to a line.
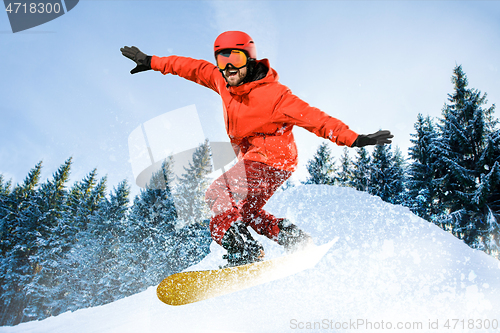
x=236, y=58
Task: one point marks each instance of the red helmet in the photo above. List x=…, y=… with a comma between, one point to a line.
x=236, y=40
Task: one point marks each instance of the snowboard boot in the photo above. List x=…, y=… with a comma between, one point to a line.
x=292, y=238
x=241, y=247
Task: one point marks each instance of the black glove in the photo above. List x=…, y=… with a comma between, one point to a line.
x=379, y=138
x=143, y=61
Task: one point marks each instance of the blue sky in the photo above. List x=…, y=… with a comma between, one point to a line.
x=66, y=89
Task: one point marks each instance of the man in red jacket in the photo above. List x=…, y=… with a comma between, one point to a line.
x=259, y=113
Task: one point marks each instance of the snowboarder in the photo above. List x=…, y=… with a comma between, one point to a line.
x=259, y=114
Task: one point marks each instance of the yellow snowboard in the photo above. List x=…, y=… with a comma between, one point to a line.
x=189, y=287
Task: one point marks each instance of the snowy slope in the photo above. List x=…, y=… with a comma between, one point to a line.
x=388, y=269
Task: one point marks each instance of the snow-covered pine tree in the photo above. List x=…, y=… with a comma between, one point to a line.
x=12, y=202
x=191, y=240
x=465, y=129
x=163, y=178
x=489, y=191
x=144, y=249
x=345, y=173
x=421, y=181
x=16, y=230
x=379, y=172
x=4, y=186
x=191, y=188
x=26, y=190
x=76, y=282
x=487, y=195
x=116, y=208
x=45, y=243
x=84, y=199
x=491, y=240
x=109, y=226
x=321, y=167
x=5, y=190
x=154, y=206
x=92, y=267
x=387, y=174
x=361, y=170
x=399, y=179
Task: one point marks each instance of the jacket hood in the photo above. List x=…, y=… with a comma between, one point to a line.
x=272, y=76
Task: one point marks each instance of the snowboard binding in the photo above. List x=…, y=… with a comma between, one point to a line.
x=241, y=247
x=292, y=238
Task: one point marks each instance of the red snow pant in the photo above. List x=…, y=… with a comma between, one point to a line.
x=240, y=193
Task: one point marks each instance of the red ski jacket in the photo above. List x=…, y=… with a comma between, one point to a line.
x=260, y=115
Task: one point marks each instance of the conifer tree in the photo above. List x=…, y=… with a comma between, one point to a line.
x=321, y=167
x=345, y=173
x=154, y=206
x=29, y=185
x=361, y=170
x=144, y=242
x=491, y=240
x=487, y=195
x=466, y=128
x=387, y=174
x=84, y=198
x=79, y=227
x=163, y=178
x=399, y=178
x=112, y=225
x=489, y=192
x=190, y=193
x=18, y=231
x=44, y=244
x=92, y=268
x=379, y=172
x=117, y=207
x=4, y=211
x=422, y=187
x=4, y=186
x=12, y=203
